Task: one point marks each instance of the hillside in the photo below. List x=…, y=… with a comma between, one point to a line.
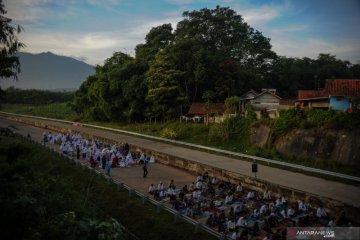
x=49, y=72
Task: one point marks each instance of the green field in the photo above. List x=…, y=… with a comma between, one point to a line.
x=46, y=197
x=54, y=110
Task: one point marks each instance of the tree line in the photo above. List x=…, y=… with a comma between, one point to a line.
x=36, y=97
x=212, y=54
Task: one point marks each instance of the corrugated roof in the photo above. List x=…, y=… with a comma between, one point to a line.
x=200, y=109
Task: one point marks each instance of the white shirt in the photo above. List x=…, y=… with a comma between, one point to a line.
x=239, y=188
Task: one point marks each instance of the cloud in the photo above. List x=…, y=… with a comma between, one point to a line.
x=259, y=16
x=179, y=2
x=346, y=49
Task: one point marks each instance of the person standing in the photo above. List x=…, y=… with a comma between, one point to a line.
x=108, y=166
x=77, y=152
x=145, y=170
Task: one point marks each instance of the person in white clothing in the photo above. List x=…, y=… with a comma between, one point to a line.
x=266, y=195
x=239, y=188
x=321, y=213
x=250, y=195
x=199, y=184
x=302, y=207
x=151, y=189
x=241, y=222
x=160, y=186
x=290, y=212
x=263, y=209
x=230, y=225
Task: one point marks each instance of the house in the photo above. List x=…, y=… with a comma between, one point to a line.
x=266, y=103
x=198, y=112
x=337, y=95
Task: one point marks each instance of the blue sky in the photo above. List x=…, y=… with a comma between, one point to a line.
x=91, y=30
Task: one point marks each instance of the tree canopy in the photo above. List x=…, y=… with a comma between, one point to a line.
x=9, y=46
x=211, y=50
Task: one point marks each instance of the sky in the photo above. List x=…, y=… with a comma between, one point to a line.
x=92, y=30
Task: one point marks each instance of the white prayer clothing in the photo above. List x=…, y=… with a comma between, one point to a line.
x=263, y=209
x=321, y=213
x=230, y=225
x=241, y=222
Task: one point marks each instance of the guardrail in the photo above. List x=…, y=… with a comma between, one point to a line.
x=146, y=198
x=241, y=155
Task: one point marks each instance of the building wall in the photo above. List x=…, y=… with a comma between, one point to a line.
x=340, y=103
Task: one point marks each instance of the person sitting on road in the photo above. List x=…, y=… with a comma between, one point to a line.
x=152, y=189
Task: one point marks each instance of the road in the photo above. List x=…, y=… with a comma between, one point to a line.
x=348, y=194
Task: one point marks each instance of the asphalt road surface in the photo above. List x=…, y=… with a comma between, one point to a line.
x=133, y=176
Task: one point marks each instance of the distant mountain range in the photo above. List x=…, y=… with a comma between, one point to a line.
x=48, y=71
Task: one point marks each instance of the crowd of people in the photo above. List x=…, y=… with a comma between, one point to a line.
x=242, y=213
x=96, y=153
x=229, y=208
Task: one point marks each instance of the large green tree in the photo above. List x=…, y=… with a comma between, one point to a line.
x=9, y=46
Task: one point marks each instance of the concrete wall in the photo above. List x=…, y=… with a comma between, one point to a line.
x=340, y=103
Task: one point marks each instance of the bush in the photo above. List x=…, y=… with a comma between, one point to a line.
x=168, y=133
x=288, y=120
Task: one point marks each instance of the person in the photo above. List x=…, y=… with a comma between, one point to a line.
x=145, y=170
x=152, y=189
x=77, y=152
x=108, y=166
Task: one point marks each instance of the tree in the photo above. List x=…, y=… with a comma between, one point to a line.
x=208, y=96
x=163, y=88
x=9, y=46
x=232, y=104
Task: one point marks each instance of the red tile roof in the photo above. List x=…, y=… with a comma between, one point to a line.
x=344, y=87
x=348, y=87
x=305, y=94
x=214, y=108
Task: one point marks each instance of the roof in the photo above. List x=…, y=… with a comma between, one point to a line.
x=264, y=92
x=248, y=94
x=343, y=87
x=348, y=87
x=308, y=94
x=200, y=109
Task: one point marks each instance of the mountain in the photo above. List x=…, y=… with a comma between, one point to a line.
x=49, y=72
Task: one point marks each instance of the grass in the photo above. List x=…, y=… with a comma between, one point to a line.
x=142, y=220
x=54, y=110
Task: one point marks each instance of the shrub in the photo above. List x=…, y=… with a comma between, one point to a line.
x=168, y=133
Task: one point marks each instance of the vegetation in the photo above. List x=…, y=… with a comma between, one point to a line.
x=212, y=55
x=45, y=197
x=35, y=97
x=54, y=110
x=9, y=46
